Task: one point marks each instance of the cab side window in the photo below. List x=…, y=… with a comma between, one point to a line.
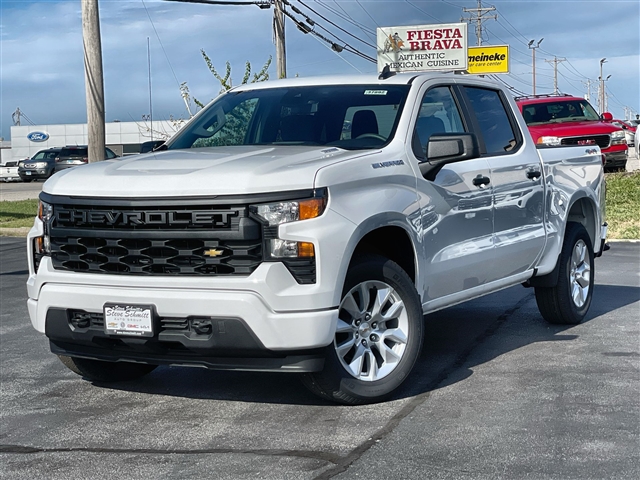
x=497, y=131
x=438, y=114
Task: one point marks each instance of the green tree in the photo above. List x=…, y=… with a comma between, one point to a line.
x=226, y=82
x=236, y=121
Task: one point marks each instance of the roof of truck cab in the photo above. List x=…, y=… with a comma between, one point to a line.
x=398, y=79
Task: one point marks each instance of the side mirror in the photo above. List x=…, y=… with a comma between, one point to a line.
x=446, y=148
x=606, y=116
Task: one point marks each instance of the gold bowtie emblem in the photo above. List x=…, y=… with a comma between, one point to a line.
x=212, y=252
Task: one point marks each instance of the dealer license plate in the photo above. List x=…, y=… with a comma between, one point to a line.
x=132, y=320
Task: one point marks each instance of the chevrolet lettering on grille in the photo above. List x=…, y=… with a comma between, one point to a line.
x=114, y=218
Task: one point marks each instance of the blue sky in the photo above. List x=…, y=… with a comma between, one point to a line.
x=41, y=58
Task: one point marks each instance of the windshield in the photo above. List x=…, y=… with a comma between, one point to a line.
x=346, y=116
x=44, y=155
x=560, y=111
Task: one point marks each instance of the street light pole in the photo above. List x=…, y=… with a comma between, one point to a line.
x=601, y=99
x=533, y=52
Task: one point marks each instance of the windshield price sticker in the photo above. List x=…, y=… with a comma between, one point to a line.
x=130, y=320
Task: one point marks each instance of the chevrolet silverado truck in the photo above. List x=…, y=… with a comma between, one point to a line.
x=565, y=120
x=308, y=225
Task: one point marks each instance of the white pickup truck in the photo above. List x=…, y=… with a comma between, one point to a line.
x=307, y=225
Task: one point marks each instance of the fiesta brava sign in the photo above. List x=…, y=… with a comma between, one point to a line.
x=423, y=47
x=38, y=136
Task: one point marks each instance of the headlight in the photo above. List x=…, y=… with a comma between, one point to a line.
x=551, y=141
x=618, y=137
x=45, y=213
x=277, y=213
x=290, y=211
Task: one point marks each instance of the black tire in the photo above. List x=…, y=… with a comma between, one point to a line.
x=27, y=180
x=392, y=343
x=568, y=302
x=100, y=371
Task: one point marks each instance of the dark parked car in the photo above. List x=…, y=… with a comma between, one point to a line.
x=46, y=162
x=41, y=166
x=72, y=156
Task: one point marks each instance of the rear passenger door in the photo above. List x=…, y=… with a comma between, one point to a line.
x=456, y=217
x=516, y=180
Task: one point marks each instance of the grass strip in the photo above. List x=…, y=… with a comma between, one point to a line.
x=623, y=205
x=18, y=213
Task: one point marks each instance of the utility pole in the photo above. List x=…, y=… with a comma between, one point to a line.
x=533, y=50
x=278, y=33
x=555, y=62
x=94, y=84
x=588, y=85
x=478, y=15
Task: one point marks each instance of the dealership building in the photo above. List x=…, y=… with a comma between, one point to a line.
x=124, y=138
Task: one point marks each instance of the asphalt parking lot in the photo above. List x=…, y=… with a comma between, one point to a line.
x=497, y=393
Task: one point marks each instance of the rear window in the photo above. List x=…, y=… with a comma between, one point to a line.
x=73, y=152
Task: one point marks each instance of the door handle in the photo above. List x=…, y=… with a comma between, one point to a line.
x=481, y=181
x=533, y=174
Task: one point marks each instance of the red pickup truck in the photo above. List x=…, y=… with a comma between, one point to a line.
x=566, y=120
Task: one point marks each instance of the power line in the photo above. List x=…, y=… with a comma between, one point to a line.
x=369, y=15
x=423, y=11
x=304, y=28
x=364, y=29
x=295, y=9
x=347, y=18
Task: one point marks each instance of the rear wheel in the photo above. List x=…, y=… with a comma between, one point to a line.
x=106, y=371
x=378, y=336
x=568, y=302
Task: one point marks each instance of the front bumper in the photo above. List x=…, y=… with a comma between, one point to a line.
x=26, y=174
x=617, y=159
x=270, y=330
x=222, y=343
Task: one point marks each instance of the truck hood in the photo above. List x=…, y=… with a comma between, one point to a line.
x=200, y=172
x=571, y=129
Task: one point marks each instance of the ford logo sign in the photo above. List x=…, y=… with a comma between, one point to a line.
x=38, y=136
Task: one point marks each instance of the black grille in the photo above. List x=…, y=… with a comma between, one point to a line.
x=155, y=256
x=155, y=238
x=167, y=236
x=80, y=319
x=603, y=141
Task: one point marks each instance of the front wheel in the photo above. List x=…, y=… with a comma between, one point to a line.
x=378, y=336
x=101, y=371
x=568, y=302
